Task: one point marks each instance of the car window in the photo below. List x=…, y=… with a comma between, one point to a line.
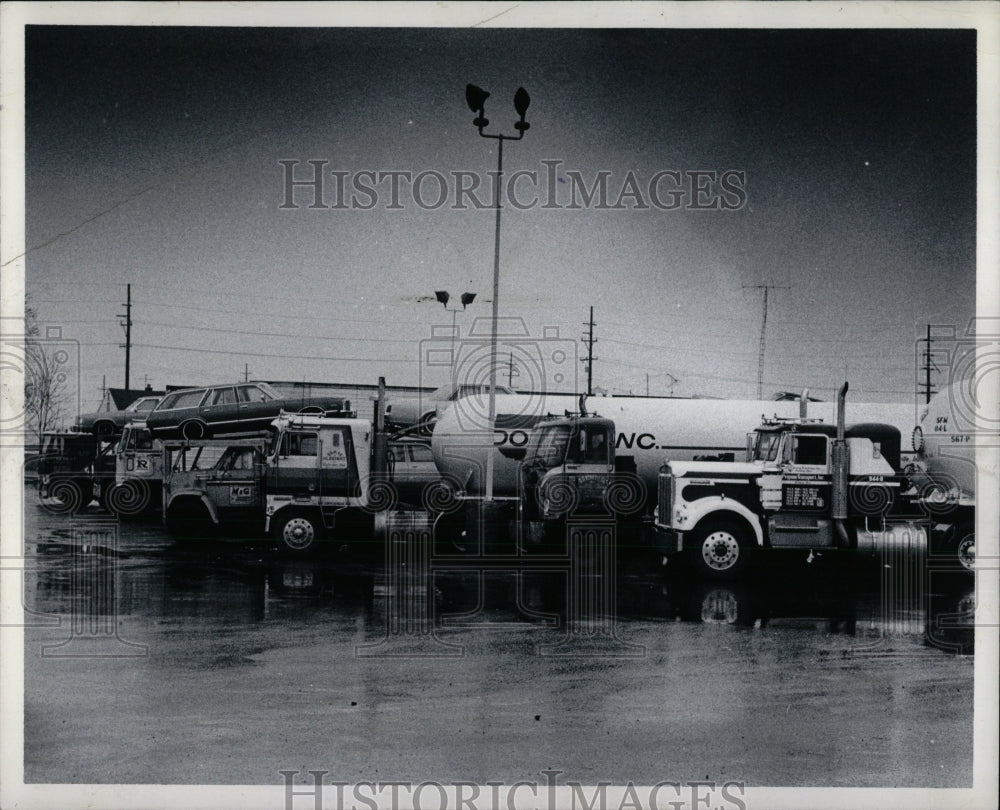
x=253, y=393
x=421, y=452
x=224, y=396
x=184, y=399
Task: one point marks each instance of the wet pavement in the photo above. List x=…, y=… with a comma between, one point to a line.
x=148, y=662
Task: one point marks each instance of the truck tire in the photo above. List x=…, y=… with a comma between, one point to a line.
x=298, y=532
x=721, y=548
x=965, y=546
x=69, y=495
x=188, y=519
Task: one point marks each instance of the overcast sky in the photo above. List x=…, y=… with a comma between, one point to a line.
x=153, y=158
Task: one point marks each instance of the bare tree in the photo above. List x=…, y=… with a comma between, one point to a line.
x=44, y=382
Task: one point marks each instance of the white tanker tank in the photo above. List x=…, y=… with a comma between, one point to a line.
x=649, y=429
x=945, y=442
x=944, y=439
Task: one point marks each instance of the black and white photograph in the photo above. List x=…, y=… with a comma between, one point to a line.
x=483, y=405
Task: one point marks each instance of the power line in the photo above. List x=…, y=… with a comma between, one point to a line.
x=274, y=334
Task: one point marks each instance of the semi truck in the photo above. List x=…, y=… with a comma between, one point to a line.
x=311, y=480
x=73, y=469
x=314, y=479
x=645, y=429
x=806, y=485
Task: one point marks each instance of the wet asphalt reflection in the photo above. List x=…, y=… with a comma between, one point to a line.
x=217, y=662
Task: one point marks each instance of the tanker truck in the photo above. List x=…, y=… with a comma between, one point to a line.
x=945, y=444
x=807, y=486
x=639, y=434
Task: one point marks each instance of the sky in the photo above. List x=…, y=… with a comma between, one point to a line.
x=153, y=159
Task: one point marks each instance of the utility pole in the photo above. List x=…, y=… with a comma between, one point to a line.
x=246, y=372
x=928, y=365
x=763, y=333
x=588, y=341
x=511, y=371
x=127, y=326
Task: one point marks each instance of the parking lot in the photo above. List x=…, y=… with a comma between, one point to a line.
x=225, y=664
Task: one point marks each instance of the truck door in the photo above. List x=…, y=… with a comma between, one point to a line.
x=806, y=480
x=296, y=467
x=338, y=470
x=234, y=485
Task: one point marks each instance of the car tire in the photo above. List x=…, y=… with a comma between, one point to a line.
x=194, y=429
x=103, y=427
x=298, y=532
x=721, y=549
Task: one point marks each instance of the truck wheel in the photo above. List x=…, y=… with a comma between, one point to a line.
x=69, y=494
x=722, y=549
x=425, y=425
x=298, y=532
x=194, y=429
x=964, y=547
x=186, y=520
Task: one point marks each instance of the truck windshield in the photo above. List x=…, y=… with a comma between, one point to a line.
x=767, y=446
x=551, y=448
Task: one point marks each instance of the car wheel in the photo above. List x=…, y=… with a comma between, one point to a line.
x=104, y=428
x=312, y=410
x=194, y=429
x=298, y=532
x=722, y=549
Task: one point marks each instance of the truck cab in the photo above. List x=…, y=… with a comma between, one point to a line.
x=569, y=468
x=67, y=466
x=213, y=486
x=806, y=485
x=318, y=479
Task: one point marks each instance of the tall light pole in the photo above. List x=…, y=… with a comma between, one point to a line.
x=444, y=298
x=476, y=97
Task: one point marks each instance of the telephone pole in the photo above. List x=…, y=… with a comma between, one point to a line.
x=512, y=372
x=763, y=333
x=127, y=326
x=928, y=365
x=589, y=341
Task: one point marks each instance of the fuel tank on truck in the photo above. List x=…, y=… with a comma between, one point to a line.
x=650, y=429
x=945, y=439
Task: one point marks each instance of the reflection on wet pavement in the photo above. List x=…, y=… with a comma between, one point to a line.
x=115, y=611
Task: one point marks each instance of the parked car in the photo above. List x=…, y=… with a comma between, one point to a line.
x=412, y=467
x=423, y=410
x=110, y=423
x=198, y=413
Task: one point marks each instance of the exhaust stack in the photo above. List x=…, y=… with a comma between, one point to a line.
x=804, y=404
x=841, y=467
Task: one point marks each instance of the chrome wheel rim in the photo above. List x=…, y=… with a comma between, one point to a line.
x=298, y=534
x=720, y=551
